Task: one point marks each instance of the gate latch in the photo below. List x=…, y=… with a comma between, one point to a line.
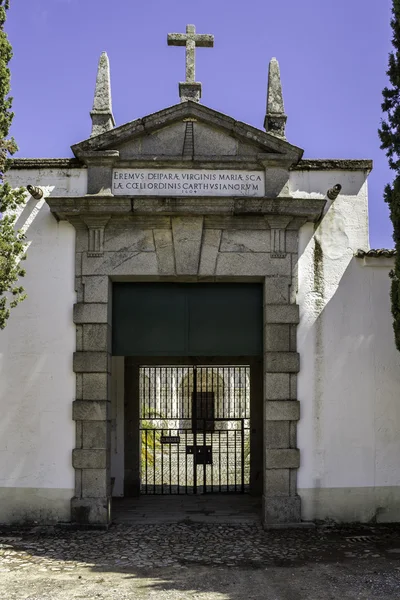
x=202, y=454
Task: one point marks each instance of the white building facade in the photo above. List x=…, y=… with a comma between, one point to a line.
x=246, y=210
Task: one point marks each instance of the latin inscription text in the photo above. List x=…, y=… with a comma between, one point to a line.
x=180, y=182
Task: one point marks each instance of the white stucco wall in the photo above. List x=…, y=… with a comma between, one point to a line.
x=349, y=382
x=37, y=433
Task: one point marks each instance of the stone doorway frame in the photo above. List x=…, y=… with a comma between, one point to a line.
x=92, y=407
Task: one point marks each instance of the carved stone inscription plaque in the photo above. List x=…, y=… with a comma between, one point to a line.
x=187, y=182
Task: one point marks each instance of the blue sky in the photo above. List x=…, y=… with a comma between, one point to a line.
x=332, y=54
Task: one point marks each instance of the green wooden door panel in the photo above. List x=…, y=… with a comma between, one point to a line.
x=225, y=320
x=167, y=319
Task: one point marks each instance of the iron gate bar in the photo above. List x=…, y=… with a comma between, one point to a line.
x=219, y=456
x=204, y=412
x=194, y=410
x=162, y=468
x=213, y=428
x=227, y=461
x=141, y=451
x=186, y=488
x=242, y=456
x=235, y=460
x=154, y=454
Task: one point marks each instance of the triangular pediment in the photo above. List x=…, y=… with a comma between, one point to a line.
x=192, y=131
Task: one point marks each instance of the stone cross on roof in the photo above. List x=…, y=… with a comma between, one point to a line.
x=190, y=89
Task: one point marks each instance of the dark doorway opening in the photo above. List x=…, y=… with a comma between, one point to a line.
x=193, y=390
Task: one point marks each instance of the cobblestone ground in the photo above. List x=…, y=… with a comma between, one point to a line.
x=203, y=561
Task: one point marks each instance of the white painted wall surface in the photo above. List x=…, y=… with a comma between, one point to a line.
x=37, y=433
x=349, y=382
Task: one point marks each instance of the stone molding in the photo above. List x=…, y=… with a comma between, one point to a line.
x=66, y=207
x=313, y=164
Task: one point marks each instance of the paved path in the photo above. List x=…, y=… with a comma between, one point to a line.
x=200, y=560
x=201, y=508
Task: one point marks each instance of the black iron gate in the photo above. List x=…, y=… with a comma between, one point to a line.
x=194, y=429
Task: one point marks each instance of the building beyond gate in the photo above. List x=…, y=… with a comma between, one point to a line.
x=204, y=315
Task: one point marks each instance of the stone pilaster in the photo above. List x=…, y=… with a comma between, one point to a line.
x=91, y=411
x=281, y=504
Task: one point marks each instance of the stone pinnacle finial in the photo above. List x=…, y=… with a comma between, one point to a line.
x=101, y=113
x=275, y=118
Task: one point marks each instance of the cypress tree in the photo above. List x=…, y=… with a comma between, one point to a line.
x=389, y=134
x=12, y=244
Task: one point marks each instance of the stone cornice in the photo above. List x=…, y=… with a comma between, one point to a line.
x=333, y=164
x=64, y=208
x=315, y=164
x=46, y=163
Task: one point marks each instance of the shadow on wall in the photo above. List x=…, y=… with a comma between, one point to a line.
x=348, y=389
x=29, y=213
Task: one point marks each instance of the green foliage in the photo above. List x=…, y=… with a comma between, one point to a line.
x=12, y=246
x=151, y=438
x=389, y=134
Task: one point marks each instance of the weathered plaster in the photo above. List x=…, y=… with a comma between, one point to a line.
x=347, y=385
x=373, y=504
x=31, y=505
